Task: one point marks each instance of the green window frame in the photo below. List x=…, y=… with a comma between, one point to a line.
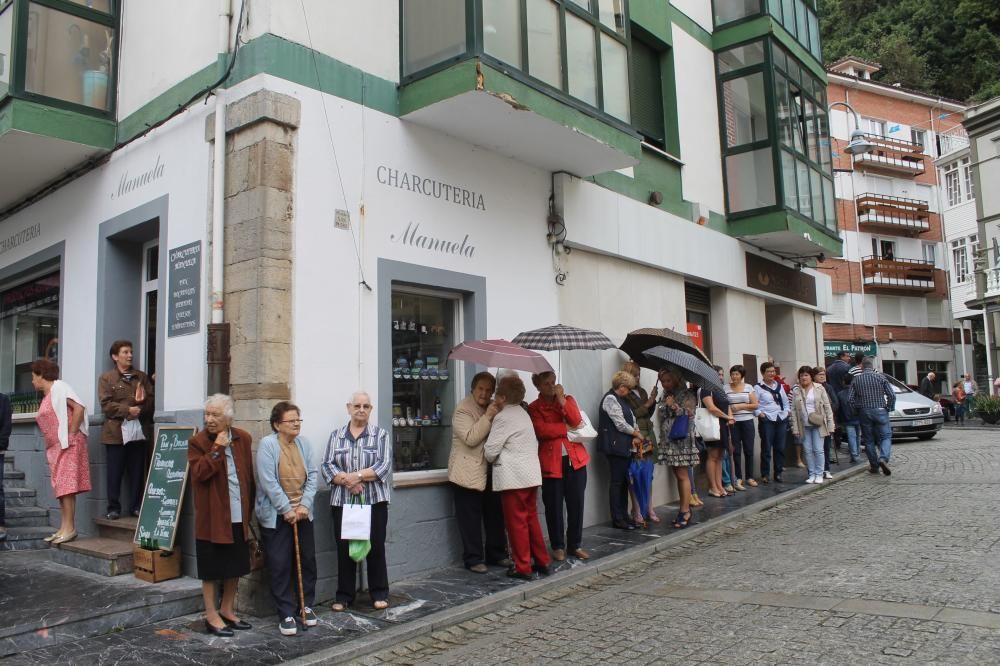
x=797, y=138
x=99, y=66
x=606, y=19
x=797, y=17
x=646, y=77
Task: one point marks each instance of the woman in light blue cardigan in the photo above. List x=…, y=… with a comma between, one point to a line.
x=286, y=488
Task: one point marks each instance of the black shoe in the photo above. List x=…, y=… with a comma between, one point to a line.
x=540, y=570
x=239, y=626
x=623, y=525
x=885, y=467
x=224, y=632
x=112, y=515
x=777, y=478
x=135, y=513
x=505, y=562
x=514, y=573
x=872, y=469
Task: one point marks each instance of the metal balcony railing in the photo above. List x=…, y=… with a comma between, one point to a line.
x=898, y=274
x=992, y=282
x=894, y=155
x=889, y=213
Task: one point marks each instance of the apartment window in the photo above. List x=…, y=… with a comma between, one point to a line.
x=29, y=329
x=970, y=190
x=952, y=184
x=959, y=261
x=940, y=370
x=919, y=137
x=647, y=92
x=930, y=253
x=890, y=309
x=873, y=126
x=973, y=252
x=935, y=313
x=886, y=249
x=896, y=369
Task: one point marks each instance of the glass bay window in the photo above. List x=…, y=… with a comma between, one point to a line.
x=576, y=48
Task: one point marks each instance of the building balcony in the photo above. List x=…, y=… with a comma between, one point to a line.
x=893, y=156
x=992, y=283
x=544, y=83
x=58, y=70
x=898, y=275
x=888, y=214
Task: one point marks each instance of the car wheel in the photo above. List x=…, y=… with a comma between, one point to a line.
x=924, y=438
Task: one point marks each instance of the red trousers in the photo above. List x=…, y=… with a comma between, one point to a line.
x=524, y=532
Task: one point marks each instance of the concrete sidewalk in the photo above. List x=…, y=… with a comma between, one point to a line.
x=419, y=605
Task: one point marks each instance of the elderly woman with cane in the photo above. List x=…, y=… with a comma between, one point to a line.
x=223, y=487
x=286, y=488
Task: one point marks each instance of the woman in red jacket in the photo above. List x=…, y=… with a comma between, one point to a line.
x=564, y=465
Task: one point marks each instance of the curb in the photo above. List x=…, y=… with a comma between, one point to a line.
x=386, y=638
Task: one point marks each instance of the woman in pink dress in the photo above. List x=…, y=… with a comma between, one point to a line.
x=62, y=418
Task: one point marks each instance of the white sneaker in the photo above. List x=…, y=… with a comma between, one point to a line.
x=811, y=479
x=827, y=475
x=287, y=627
x=819, y=479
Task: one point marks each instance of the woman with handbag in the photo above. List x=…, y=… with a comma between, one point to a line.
x=358, y=466
x=811, y=420
x=641, y=469
x=286, y=488
x=677, y=438
x=716, y=404
x=564, y=465
x=618, y=436
x=222, y=482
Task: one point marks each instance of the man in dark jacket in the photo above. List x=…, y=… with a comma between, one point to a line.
x=837, y=370
x=5, y=428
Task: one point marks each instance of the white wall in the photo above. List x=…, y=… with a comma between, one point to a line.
x=698, y=11
x=960, y=222
x=738, y=327
x=698, y=120
x=163, y=43
x=73, y=214
x=365, y=38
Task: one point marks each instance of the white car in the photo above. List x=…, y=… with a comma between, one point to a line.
x=914, y=415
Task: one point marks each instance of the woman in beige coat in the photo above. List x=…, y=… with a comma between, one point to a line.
x=477, y=506
x=811, y=418
x=517, y=474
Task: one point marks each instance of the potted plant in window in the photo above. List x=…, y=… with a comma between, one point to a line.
x=987, y=408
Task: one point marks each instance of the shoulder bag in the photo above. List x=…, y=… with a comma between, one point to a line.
x=706, y=425
x=584, y=432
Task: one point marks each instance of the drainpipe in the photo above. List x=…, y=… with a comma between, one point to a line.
x=217, y=343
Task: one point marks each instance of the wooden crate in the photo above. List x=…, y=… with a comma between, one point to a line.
x=154, y=566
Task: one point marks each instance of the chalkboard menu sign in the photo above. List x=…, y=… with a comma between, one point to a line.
x=161, y=504
x=184, y=290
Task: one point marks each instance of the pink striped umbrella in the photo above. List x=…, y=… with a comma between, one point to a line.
x=500, y=354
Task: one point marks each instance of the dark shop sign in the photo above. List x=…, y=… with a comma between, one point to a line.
x=779, y=280
x=184, y=296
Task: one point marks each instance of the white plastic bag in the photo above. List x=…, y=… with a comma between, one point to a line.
x=132, y=431
x=584, y=432
x=357, y=522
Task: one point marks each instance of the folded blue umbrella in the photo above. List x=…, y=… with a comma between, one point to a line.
x=641, y=477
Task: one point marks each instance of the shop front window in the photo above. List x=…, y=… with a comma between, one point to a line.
x=29, y=329
x=424, y=329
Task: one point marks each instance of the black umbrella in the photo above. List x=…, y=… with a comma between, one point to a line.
x=642, y=339
x=691, y=368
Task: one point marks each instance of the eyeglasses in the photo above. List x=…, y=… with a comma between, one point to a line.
x=361, y=406
x=292, y=421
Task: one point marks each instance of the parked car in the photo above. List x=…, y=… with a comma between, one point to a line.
x=914, y=415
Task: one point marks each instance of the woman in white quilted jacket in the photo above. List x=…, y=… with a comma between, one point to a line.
x=517, y=474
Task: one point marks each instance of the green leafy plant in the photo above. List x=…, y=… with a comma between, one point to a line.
x=987, y=408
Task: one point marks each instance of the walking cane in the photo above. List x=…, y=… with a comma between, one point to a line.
x=298, y=569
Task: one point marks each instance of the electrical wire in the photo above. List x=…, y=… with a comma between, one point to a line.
x=333, y=147
x=93, y=163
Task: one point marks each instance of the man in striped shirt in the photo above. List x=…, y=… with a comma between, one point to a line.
x=872, y=396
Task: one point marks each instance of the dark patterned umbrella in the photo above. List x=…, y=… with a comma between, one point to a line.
x=691, y=367
x=565, y=338
x=642, y=339
x=500, y=354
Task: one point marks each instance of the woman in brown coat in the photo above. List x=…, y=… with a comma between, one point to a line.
x=222, y=481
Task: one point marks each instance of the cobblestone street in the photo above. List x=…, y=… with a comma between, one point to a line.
x=870, y=570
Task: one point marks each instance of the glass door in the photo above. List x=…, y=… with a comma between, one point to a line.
x=145, y=360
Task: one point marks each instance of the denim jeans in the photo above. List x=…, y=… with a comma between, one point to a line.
x=959, y=411
x=772, y=439
x=812, y=448
x=851, y=430
x=878, y=433
x=827, y=446
x=727, y=480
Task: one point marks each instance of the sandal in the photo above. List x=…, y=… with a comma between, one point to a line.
x=653, y=518
x=752, y=483
x=683, y=519
x=380, y=604
x=338, y=607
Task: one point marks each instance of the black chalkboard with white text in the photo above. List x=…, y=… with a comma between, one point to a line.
x=161, y=503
